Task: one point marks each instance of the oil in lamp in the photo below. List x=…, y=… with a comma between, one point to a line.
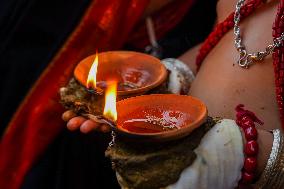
x=157, y=117
x=135, y=74
x=151, y=118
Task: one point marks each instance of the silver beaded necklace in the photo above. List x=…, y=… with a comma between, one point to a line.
x=246, y=59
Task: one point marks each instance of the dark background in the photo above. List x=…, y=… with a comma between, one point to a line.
x=31, y=32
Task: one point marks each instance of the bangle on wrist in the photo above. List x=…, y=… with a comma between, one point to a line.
x=180, y=76
x=273, y=174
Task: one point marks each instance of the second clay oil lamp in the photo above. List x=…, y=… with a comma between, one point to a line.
x=156, y=118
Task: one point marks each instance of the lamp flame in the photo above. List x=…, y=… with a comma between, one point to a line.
x=92, y=76
x=110, y=101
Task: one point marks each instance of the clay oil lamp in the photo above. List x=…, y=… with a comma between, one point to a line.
x=156, y=117
x=154, y=138
x=135, y=74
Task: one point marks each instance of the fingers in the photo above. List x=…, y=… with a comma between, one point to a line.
x=88, y=126
x=69, y=114
x=75, y=123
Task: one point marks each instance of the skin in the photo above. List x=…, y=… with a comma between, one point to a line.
x=221, y=84
x=231, y=84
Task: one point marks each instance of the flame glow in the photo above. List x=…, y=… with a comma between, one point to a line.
x=92, y=76
x=110, y=101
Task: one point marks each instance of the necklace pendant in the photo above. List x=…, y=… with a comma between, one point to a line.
x=245, y=61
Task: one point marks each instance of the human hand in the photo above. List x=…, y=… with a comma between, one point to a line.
x=75, y=122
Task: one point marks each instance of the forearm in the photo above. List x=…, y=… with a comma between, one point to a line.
x=265, y=140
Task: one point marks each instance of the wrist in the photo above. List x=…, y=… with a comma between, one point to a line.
x=272, y=175
x=265, y=141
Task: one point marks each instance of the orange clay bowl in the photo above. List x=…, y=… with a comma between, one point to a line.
x=145, y=71
x=148, y=117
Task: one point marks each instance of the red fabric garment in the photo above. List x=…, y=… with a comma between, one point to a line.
x=38, y=120
x=278, y=61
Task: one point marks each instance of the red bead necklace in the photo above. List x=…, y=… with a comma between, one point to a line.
x=278, y=55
